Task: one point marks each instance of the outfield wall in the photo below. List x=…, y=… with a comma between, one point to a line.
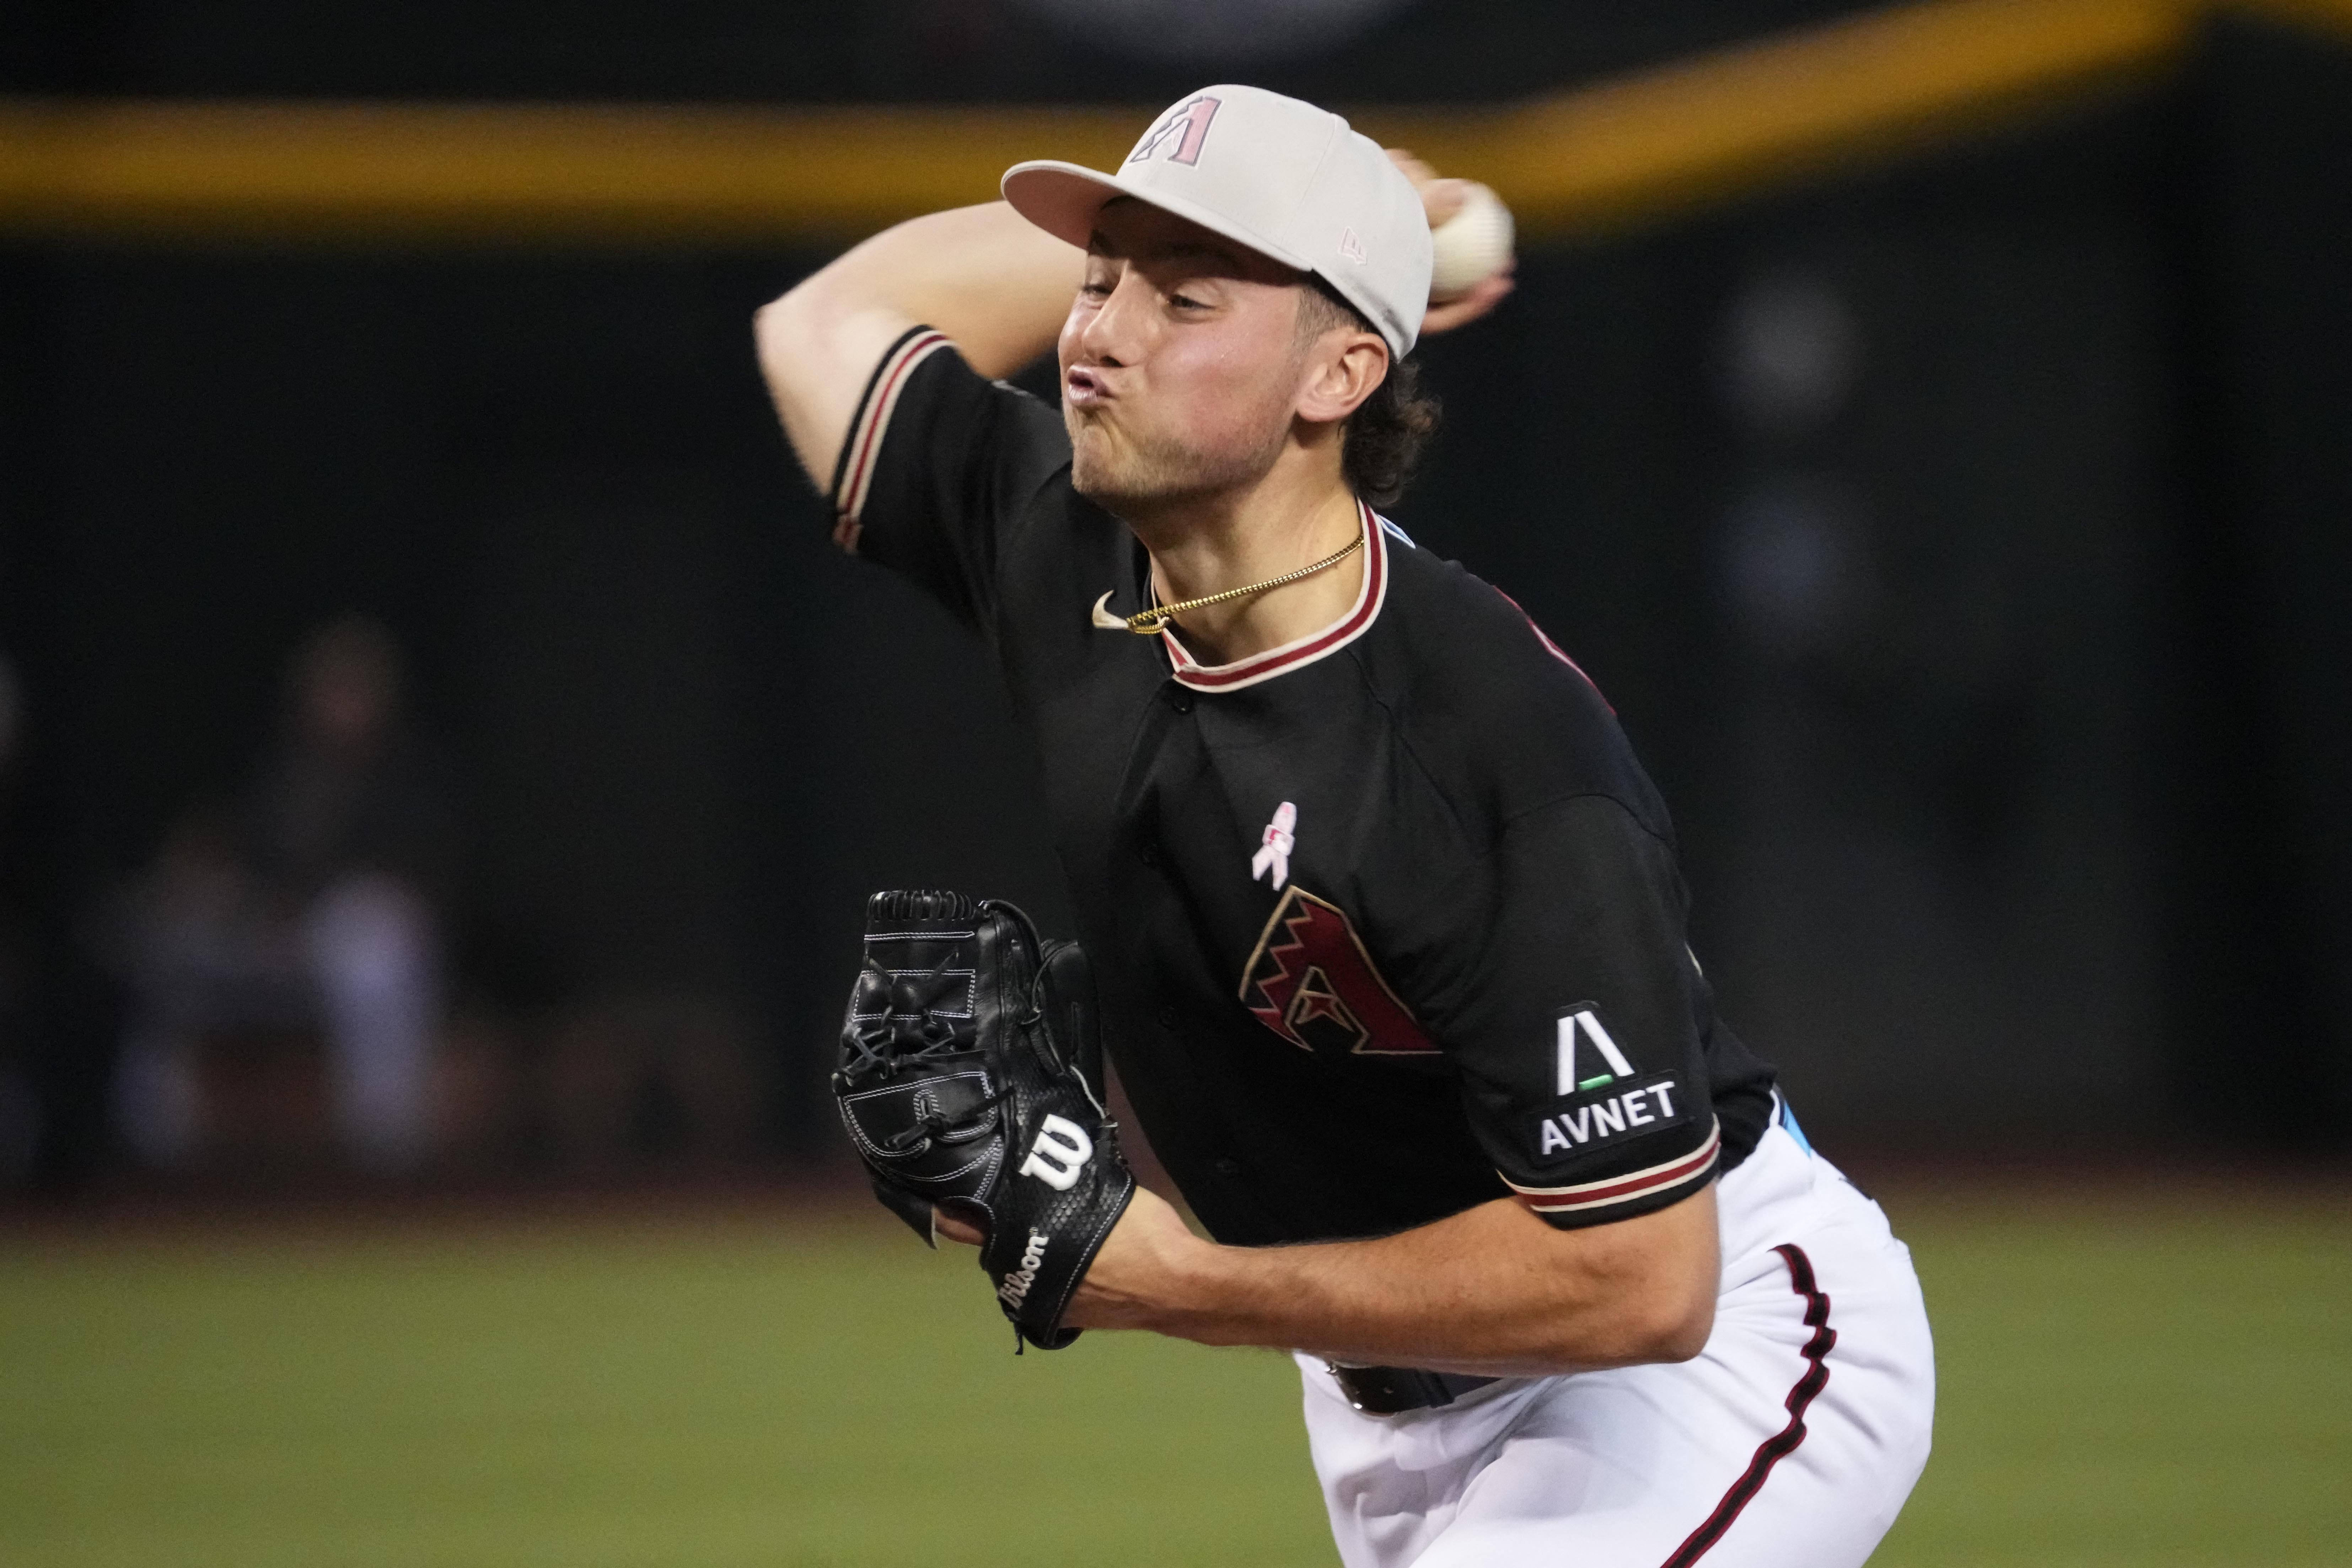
x=1959, y=537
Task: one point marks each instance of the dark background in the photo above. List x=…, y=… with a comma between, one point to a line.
x=1963, y=542
x=830, y=51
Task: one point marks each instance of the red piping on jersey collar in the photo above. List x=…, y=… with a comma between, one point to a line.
x=1290, y=656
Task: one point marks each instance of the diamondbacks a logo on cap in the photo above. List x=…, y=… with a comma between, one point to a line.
x=1182, y=132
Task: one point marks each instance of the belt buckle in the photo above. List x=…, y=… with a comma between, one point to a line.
x=1393, y=1390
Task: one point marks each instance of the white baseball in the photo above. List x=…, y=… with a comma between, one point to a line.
x=1470, y=246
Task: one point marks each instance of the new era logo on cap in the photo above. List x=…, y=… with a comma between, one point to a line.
x=1285, y=178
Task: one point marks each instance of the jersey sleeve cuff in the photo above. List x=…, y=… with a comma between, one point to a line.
x=1608, y=1198
x=861, y=449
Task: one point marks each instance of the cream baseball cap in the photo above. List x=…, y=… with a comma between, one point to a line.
x=1285, y=178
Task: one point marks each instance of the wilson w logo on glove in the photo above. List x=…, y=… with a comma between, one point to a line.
x=1061, y=1151
x=970, y=1043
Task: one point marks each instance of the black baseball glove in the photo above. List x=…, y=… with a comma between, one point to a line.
x=970, y=1081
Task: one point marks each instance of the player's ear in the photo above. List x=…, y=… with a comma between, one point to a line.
x=1341, y=371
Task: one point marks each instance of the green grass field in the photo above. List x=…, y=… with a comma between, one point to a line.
x=2154, y=1385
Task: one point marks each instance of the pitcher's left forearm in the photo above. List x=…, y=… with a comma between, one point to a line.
x=1491, y=1291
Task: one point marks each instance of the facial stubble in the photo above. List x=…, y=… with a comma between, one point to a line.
x=1123, y=469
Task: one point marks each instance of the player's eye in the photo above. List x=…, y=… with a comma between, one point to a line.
x=1186, y=303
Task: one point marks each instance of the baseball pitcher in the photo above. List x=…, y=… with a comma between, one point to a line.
x=1378, y=917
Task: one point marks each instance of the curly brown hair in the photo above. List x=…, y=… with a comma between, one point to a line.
x=1382, y=440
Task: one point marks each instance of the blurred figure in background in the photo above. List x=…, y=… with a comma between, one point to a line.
x=313, y=905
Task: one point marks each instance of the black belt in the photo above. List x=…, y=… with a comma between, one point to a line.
x=1389, y=1390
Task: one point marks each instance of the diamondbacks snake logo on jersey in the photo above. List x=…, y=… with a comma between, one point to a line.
x=1311, y=982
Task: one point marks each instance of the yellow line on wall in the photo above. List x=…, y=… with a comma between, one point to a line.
x=1861, y=88
x=1877, y=83
x=468, y=171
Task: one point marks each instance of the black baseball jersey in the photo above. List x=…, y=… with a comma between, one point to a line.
x=1387, y=920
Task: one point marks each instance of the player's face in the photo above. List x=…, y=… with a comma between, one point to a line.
x=1180, y=362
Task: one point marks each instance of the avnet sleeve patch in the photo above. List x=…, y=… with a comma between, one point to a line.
x=1621, y=1109
x=1575, y=1020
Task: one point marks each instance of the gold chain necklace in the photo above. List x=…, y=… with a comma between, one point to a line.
x=1150, y=623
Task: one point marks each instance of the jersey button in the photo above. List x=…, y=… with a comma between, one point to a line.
x=1167, y=1017
x=1180, y=700
x=1147, y=852
x=1229, y=1166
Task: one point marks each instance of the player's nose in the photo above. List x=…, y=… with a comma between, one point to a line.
x=1112, y=333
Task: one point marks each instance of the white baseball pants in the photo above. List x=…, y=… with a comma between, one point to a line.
x=1790, y=1442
